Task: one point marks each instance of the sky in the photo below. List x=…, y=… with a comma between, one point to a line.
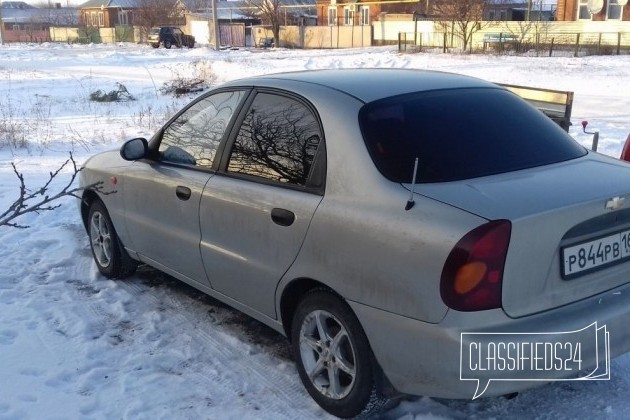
x=52, y=3
x=76, y=345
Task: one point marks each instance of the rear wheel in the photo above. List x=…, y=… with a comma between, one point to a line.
x=168, y=44
x=155, y=45
x=333, y=356
x=111, y=258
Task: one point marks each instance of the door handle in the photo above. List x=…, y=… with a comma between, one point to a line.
x=282, y=217
x=183, y=193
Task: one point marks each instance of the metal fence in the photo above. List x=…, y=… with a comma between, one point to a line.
x=507, y=43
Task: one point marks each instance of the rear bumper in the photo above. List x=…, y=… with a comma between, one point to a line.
x=426, y=359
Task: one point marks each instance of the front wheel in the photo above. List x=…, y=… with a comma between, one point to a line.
x=333, y=356
x=168, y=44
x=111, y=258
x=154, y=45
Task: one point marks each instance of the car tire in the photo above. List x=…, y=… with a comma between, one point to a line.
x=329, y=343
x=167, y=44
x=191, y=44
x=155, y=45
x=110, y=256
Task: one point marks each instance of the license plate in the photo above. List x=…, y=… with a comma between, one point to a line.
x=593, y=255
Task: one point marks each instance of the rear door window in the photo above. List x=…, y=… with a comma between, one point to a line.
x=460, y=134
x=277, y=141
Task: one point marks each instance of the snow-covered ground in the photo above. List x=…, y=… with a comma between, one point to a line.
x=75, y=345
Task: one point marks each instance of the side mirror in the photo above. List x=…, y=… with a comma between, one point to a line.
x=134, y=149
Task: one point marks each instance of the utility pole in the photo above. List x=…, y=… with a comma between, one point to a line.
x=215, y=22
x=1, y=26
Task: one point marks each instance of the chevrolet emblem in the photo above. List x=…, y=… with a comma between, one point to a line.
x=615, y=203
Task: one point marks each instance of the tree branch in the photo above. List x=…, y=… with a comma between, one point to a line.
x=35, y=201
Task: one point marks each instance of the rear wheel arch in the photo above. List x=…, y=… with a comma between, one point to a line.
x=291, y=297
x=294, y=293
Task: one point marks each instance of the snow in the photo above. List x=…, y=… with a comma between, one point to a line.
x=76, y=345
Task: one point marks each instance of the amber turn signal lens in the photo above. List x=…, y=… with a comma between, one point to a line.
x=468, y=276
x=472, y=277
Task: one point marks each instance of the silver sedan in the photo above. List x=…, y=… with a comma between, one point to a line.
x=375, y=217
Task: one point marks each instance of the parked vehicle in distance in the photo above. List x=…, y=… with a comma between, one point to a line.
x=373, y=216
x=169, y=36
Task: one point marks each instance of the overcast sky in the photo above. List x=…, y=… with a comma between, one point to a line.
x=41, y=3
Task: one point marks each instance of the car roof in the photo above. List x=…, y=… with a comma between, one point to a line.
x=369, y=85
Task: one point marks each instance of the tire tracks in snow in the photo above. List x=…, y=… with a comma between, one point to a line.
x=241, y=369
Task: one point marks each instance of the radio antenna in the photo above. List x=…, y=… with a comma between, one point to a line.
x=411, y=202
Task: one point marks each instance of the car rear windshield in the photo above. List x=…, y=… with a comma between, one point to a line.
x=155, y=31
x=460, y=134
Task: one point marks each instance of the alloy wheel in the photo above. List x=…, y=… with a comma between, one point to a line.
x=101, y=239
x=327, y=354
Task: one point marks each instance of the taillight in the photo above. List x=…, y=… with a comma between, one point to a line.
x=473, y=273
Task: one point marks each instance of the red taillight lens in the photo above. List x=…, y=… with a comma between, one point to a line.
x=473, y=273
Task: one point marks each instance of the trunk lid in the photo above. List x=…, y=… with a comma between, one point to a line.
x=555, y=211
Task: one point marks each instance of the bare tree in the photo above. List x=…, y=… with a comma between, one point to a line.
x=270, y=14
x=465, y=16
x=529, y=31
x=67, y=17
x=41, y=199
x=151, y=13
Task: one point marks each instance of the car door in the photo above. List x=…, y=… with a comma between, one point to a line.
x=162, y=193
x=256, y=211
x=177, y=36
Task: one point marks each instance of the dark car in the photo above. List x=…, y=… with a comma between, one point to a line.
x=169, y=36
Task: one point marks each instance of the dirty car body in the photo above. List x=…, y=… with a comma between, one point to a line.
x=289, y=197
